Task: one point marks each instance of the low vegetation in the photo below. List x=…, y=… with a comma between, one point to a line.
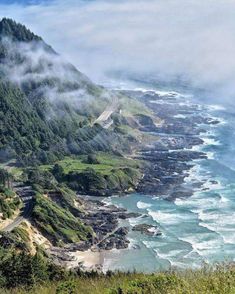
x=9, y=203
x=102, y=162
x=53, y=280
x=96, y=174
x=58, y=224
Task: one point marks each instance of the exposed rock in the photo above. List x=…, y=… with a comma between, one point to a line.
x=117, y=240
x=81, y=246
x=147, y=229
x=126, y=215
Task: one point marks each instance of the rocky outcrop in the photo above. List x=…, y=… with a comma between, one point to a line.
x=147, y=229
x=116, y=240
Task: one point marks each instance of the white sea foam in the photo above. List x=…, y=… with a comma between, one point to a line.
x=210, y=155
x=162, y=101
x=162, y=93
x=168, y=217
x=107, y=201
x=156, y=197
x=197, y=148
x=195, y=174
x=218, y=218
x=180, y=116
x=171, y=257
x=227, y=234
x=219, y=119
x=229, y=237
x=215, y=107
x=221, y=223
x=143, y=205
x=154, y=230
x=210, y=185
x=197, y=203
x=223, y=199
x=210, y=141
x=149, y=244
x=201, y=244
x=133, y=221
x=132, y=243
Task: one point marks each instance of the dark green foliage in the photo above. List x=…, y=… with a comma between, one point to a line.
x=94, y=183
x=22, y=269
x=13, y=241
x=43, y=179
x=87, y=182
x=4, y=177
x=9, y=28
x=92, y=159
x=35, y=128
x=68, y=287
x=9, y=202
x=58, y=172
x=22, y=130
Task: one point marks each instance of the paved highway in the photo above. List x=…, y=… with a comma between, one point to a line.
x=109, y=110
x=26, y=194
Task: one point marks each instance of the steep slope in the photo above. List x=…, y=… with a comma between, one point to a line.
x=22, y=132
x=47, y=105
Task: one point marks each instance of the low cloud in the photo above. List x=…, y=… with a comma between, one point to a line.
x=40, y=72
x=168, y=39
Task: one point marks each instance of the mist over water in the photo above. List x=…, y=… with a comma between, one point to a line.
x=185, y=41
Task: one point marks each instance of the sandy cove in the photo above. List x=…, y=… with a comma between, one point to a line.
x=87, y=260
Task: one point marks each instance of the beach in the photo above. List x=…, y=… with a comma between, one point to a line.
x=88, y=260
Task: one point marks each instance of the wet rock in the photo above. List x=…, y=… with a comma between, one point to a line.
x=81, y=246
x=147, y=229
x=128, y=215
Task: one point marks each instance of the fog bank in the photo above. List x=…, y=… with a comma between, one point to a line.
x=186, y=39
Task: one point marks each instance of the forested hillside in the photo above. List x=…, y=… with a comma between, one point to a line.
x=47, y=107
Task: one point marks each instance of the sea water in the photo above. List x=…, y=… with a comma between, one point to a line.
x=196, y=230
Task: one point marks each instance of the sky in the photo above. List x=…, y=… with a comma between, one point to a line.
x=166, y=39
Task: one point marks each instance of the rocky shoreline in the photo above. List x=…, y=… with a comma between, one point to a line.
x=171, y=156
x=104, y=220
x=169, y=160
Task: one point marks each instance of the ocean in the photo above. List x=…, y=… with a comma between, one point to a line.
x=196, y=230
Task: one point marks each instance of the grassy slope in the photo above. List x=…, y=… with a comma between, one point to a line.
x=107, y=162
x=112, y=174
x=58, y=224
x=205, y=281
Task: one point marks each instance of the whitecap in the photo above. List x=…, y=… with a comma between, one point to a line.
x=170, y=257
x=180, y=116
x=212, y=185
x=210, y=155
x=201, y=244
x=134, y=221
x=210, y=141
x=216, y=107
x=224, y=199
x=168, y=217
x=143, y=205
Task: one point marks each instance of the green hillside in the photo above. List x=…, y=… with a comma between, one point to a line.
x=47, y=107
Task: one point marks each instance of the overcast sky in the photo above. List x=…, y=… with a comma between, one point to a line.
x=190, y=38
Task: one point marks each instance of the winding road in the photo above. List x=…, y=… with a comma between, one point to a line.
x=26, y=194
x=109, y=110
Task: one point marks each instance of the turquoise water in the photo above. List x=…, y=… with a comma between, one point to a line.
x=196, y=230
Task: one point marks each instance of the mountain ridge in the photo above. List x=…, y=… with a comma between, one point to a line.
x=62, y=100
